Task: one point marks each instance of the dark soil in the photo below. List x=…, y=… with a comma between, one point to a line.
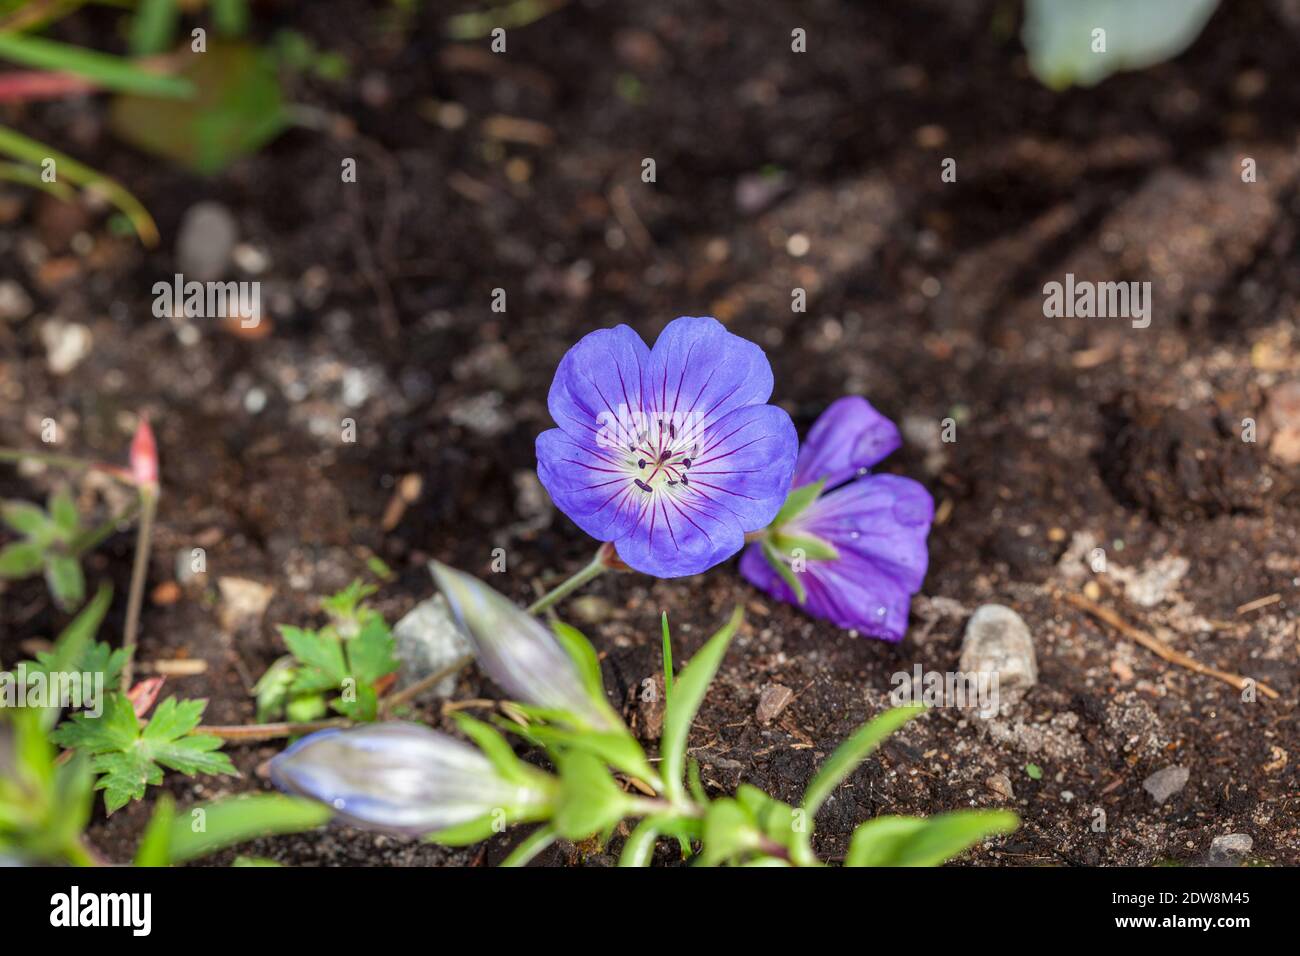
x=924, y=296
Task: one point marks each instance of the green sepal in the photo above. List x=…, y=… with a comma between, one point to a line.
x=797, y=502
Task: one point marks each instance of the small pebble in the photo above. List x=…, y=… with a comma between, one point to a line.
x=773, y=699
x=1000, y=784
x=1163, y=784
x=66, y=345
x=205, y=241
x=1231, y=849
x=998, y=641
x=15, y=303
x=428, y=641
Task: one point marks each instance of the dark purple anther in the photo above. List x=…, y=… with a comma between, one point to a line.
x=643, y=486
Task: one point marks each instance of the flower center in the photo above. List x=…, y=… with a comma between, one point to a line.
x=660, y=457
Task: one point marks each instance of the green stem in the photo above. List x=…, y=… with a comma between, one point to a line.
x=595, y=569
x=139, y=571
x=19, y=455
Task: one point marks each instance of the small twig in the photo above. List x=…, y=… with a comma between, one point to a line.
x=1159, y=647
x=248, y=733
x=408, y=694
x=1258, y=603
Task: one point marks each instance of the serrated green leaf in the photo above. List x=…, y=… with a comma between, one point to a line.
x=66, y=582
x=129, y=759
x=360, y=704
x=851, y=753
x=21, y=559
x=321, y=656
x=303, y=708
x=372, y=654
x=917, y=841
x=272, y=689
x=688, y=693
x=27, y=519
x=75, y=649
x=63, y=511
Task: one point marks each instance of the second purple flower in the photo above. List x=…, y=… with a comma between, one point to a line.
x=671, y=453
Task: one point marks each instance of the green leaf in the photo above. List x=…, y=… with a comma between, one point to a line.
x=129, y=759
x=729, y=832
x=529, y=847
x=321, y=656
x=64, y=512
x=495, y=747
x=230, y=16
x=110, y=72
x=852, y=752
x=238, y=108
x=1059, y=36
x=589, y=798
x=21, y=559
x=225, y=823
x=33, y=152
x=463, y=834
x=272, y=688
x=916, y=841
x=66, y=582
x=787, y=574
x=668, y=658
x=372, y=654
x=778, y=821
x=1034, y=771
x=640, y=846
x=616, y=748
x=797, y=502
x=153, y=28
x=26, y=518
x=345, y=604
x=254, y=861
x=584, y=658
x=688, y=693
x=155, y=845
x=75, y=649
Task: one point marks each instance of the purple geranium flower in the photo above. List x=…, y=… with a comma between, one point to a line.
x=849, y=546
x=671, y=453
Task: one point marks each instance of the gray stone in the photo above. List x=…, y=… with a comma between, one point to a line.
x=1163, y=784
x=205, y=242
x=1000, y=784
x=772, y=700
x=1230, y=849
x=428, y=641
x=15, y=303
x=998, y=642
